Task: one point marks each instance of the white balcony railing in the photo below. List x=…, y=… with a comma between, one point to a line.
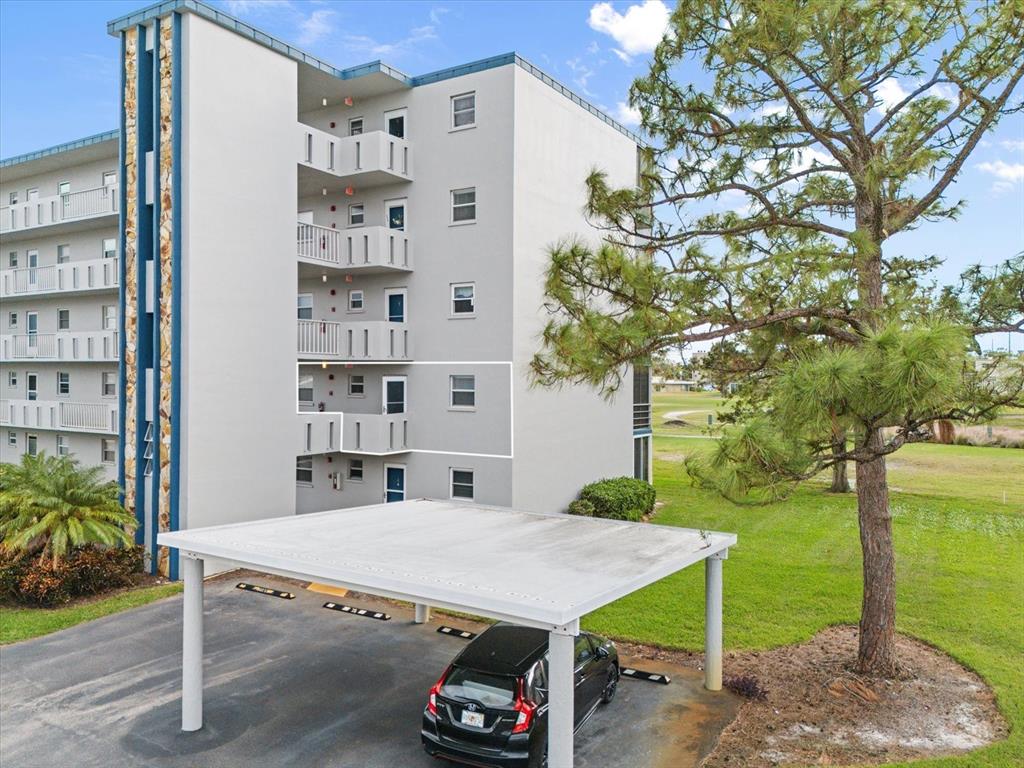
x=375, y=157
x=318, y=433
x=375, y=433
x=60, y=346
x=373, y=340
x=60, y=414
x=57, y=209
x=360, y=248
x=72, y=276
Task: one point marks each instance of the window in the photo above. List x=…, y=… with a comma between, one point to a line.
x=12, y=319
x=64, y=188
x=63, y=254
x=109, y=247
x=464, y=110
x=109, y=317
x=62, y=445
x=356, y=385
x=355, y=126
x=109, y=178
x=462, y=484
x=63, y=383
x=12, y=198
x=463, y=391
x=12, y=259
x=12, y=439
x=108, y=386
x=63, y=319
x=463, y=298
x=464, y=205
x=305, y=306
x=31, y=444
x=32, y=193
x=356, y=215
x=584, y=652
x=355, y=300
x=12, y=378
x=304, y=470
x=108, y=450
x=305, y=389
x=355, y=470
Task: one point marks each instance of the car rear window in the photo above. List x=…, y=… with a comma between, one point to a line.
x=489, y=690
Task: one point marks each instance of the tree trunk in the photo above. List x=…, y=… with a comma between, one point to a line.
x=877, y=650
x=840, y=483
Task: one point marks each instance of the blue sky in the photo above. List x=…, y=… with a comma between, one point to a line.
x=60, y=79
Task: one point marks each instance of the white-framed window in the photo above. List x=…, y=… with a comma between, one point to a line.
x=304, y=470
x=305, y=389
x=62, y=445
x=63, y=319
x=355, y=126
x=32, y=193
x=12, y=319
x=109, y=178
x=464, y=110
x=356, y=385
x=108, y=450
x=463, y=299
x=63, y=253
x=109, y=317
x=12, y=439
x=31, y=444
x=356, y=215
x=355, y=470
x=12, y=198
x=12, y=378
x=462, y=483
x=305, y=306
x=463, y=391
x=355, y=300
x=63, y=383
x=12, y=259
x=464, y=205
x=64, y=188
x=109, y=247
x=108, y=384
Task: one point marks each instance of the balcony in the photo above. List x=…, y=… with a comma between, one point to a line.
x=318, y=433
x=68, y=278
x=367, y=160
x=375, y=433
x=97, y=418
x=367, y=250
x=366, y=341
x=63, y=346
x=67, y=209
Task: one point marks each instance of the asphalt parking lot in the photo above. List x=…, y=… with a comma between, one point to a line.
x=288, y=683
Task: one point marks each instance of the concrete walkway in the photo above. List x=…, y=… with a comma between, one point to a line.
x=288, y=684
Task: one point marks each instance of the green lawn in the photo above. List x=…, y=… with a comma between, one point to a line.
x=24, y=623
x=695, y=405
x=796, y=569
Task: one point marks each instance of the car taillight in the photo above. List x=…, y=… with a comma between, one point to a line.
x=436, y=689
x=525, y=709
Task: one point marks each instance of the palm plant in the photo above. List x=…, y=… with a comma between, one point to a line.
x=50, y=505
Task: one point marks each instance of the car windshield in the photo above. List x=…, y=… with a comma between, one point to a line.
x=489, y=690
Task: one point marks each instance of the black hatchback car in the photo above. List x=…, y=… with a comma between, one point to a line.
x=490, y=706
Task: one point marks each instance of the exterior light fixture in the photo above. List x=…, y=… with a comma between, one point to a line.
x=323, y=277
x=323, y=191
x=323, y=101
x=323, y=364
x=348, y=101
x=348, y=191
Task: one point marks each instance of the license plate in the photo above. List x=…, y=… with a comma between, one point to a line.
x=475, y=719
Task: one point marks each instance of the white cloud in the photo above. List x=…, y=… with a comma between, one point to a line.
x=310, y=28
x=636, y=31
x=889, y=93
x=771, y=110
x=368, y=45
x=243, y=7
x=626, y=114
x=1014, y=145
x=581, y=74
x=315, y=27
x=1005, y=172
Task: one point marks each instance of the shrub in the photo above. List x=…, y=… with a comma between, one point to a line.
x=83, y=571
x=747, y=686
x=620, y=498
x=581, y=507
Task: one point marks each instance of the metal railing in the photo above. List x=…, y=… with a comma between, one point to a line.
x=641, y=415
x=372, y=246
x=92, y=274
x=62, y=345
x=59, y=414
x=372, y=340
x=70, y=206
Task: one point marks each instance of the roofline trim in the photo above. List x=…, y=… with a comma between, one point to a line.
x=97, y=138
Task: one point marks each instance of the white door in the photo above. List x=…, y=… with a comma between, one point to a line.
x=394, y=304
x=32, y=329
x=32, y=257
x=394, y=394
x=394, y=482
x=31, y=385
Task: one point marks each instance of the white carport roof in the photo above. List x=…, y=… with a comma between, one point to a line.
x=540, y=569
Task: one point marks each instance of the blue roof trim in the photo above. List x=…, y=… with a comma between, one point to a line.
x=57, y=149
x=247, y=30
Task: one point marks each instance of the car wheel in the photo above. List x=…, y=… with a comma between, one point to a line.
x=611, y=685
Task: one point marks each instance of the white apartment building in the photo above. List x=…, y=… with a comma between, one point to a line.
x=332, y=280
x=59, y=278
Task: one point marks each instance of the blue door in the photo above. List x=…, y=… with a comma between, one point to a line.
x=394, y=484
x=396, y=306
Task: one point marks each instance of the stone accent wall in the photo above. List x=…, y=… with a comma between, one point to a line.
x=130, y=256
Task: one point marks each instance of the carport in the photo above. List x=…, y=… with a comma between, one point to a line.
x=539, y=570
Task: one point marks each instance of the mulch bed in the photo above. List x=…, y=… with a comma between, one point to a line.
x=818, y=712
